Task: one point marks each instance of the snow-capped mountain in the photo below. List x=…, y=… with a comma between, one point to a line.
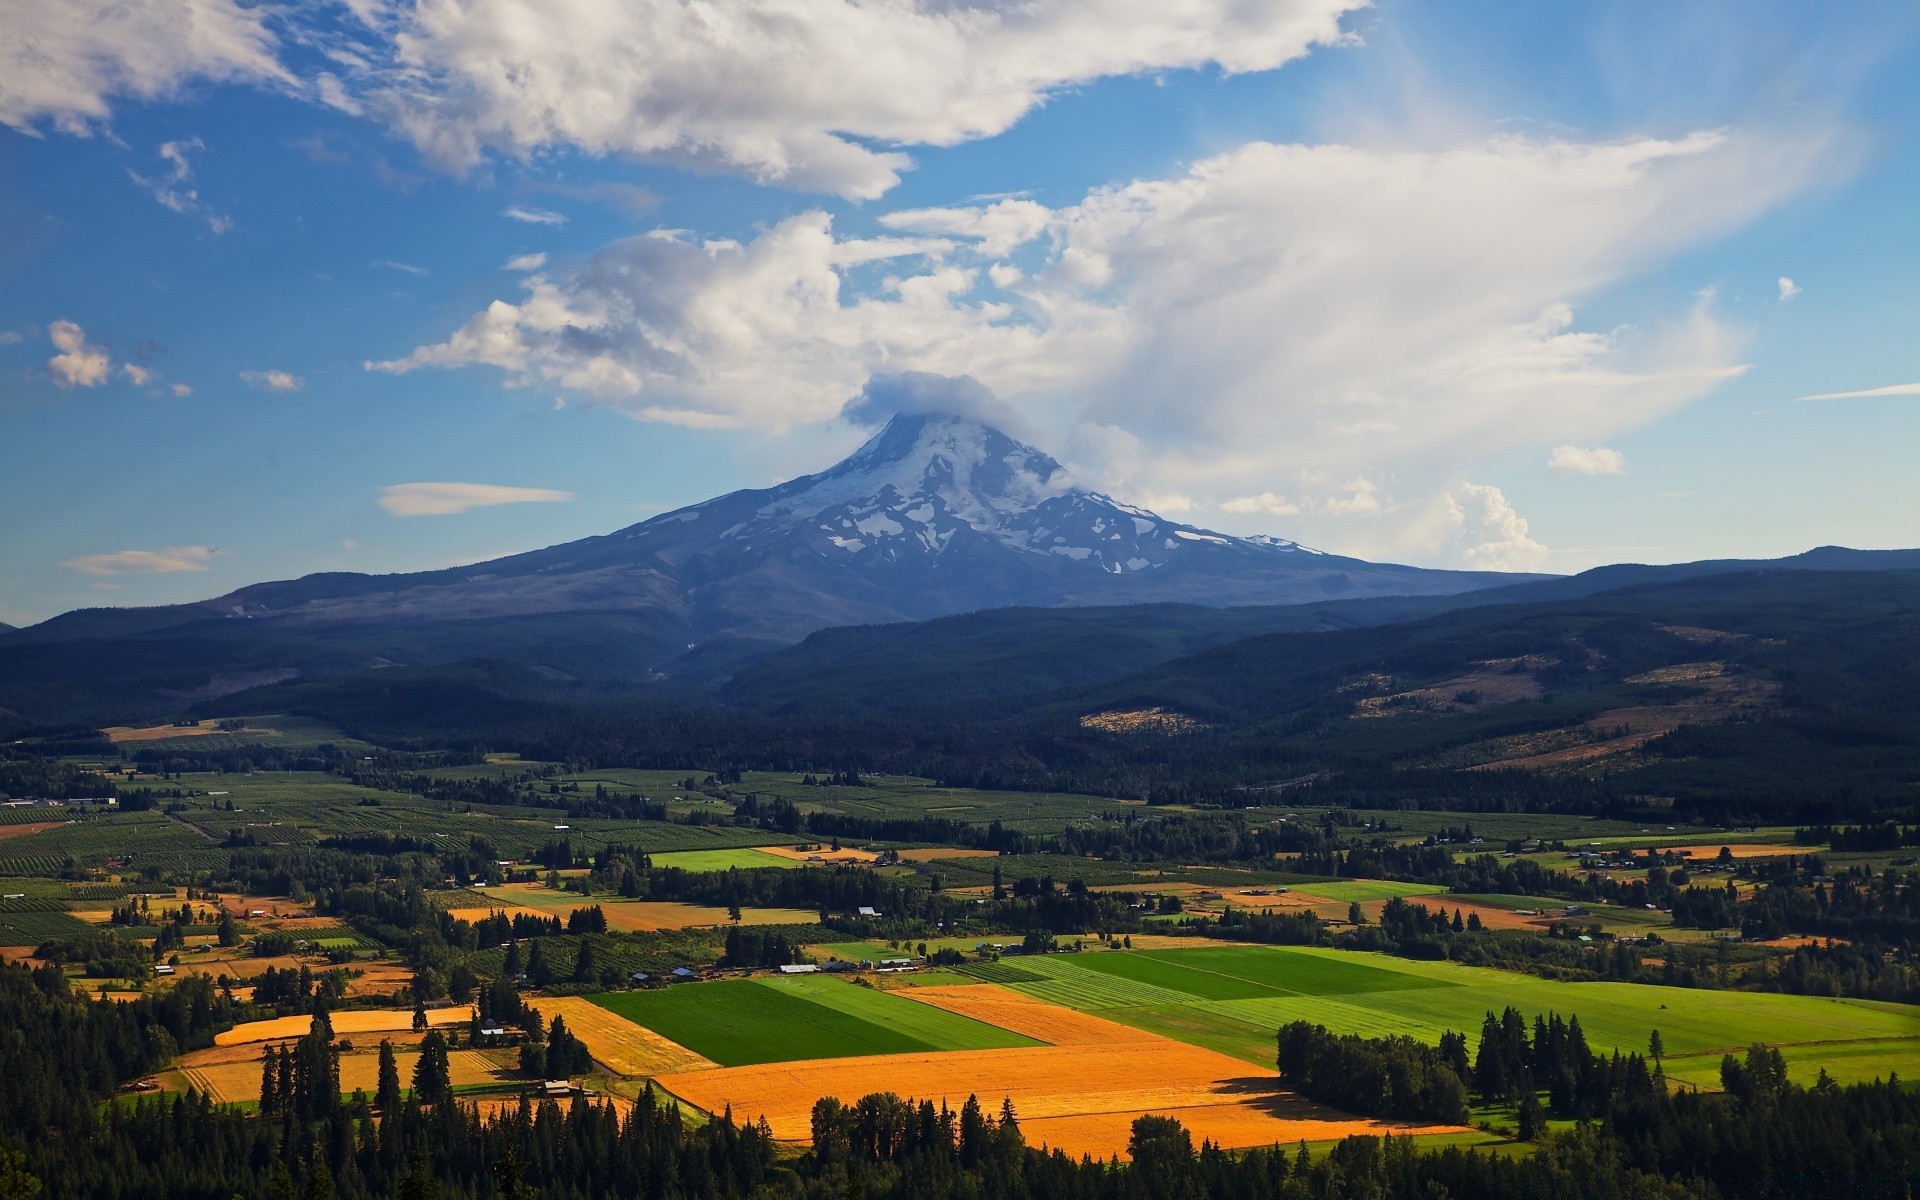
x=934, y=515
x=927, y=485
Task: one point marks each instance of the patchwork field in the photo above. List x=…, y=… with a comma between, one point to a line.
x=751, y=1021
x=1081, y=1099
x=1231, y=999
x=624, y=1047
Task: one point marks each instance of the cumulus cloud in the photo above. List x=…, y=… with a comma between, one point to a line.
x=445, y=499
x=1575, y=460
x=532, y=216
x=67, y=62
x=1897, y=389
x=1788, y=289
x=526, y=262
x=763, y=333
x=145, y=562
x=997, y=228
x=1266, y=502
x=813, y=94
x=180, y=389
x=273, y=381
x=171, y=186
x=1291, y=304
x=1488, y=533
x=922, y=392
x=1378, y=315
x=80, y=363
x=136, y=374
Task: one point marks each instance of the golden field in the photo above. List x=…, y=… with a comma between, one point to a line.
x=624, y=1047
x=1053, y=1024
x=350, y=1021
x=1081, y=1099
x=229, y=1082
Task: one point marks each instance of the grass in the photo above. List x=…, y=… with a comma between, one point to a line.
x=938, y=1028
x=1376, y=995
x=746, y=1021
x=746, y=859
x=1368, y=889
x=858, y=951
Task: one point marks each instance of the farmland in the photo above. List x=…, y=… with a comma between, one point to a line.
x=742, y=1022
x=746, y=859
x=625, y=1048
x=1078, y=1098
x=625, y=915
x=1232, y=999
x=230, y=1079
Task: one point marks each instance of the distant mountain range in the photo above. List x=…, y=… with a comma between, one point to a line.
x=941, y=558
x=935, y=515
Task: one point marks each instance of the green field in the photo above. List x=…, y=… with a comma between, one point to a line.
x=746, y=859
x=743, y=1021
x=32, y=928
x=1368, y=889
x=1232, y=999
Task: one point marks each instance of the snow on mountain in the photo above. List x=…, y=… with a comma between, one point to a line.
x=926, y=480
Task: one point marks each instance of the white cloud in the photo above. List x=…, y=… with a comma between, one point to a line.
x=998, y=227
x=1575, y=460
x=273, y=381
x=445, y=499
x=171, y=188
x=145, y=562
x=9, y=336
x=532, y=216
x=79, y=363
x=1897, y=389
x=1265, y=502
x=66, y=62
x=403, y=268
x=1359, y=498
x=526, y=262
x=136, y=374
x=180, y=389
x=1380, y=315
x=1488, y=533
x=761, y=333
x=1788, y=289
x=813, y=94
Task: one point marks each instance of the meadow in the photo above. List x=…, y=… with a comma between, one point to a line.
x=1232, y=999
x=746, y=859
x=742, y=1022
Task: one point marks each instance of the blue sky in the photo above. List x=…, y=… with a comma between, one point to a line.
x=1487, y=285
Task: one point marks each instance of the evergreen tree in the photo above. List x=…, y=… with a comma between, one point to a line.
x=432, y=1076
x=387, y=1095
